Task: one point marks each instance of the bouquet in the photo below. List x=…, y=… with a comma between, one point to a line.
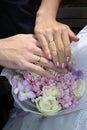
x=64, y=94
x=49, y=95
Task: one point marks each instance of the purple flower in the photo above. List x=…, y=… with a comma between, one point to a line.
x=14, y=81
x=23, y=90
x=72, y=68
x=78, y=74
x=29, y=86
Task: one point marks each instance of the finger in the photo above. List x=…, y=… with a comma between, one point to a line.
x=37, y=43
x=49, y=64
x=39, y=70
x=35, y=40
x=44, y=45
x=41, y=61
x=60, y=49
x=52, y=47
x=72, y=35
x=53, y=51
x=66, y=42
x=39, y=52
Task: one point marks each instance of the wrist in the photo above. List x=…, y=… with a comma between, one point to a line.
x=45, y=13
x=42, y=15
x=49, y=9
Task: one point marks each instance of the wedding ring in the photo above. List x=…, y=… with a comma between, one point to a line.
x=38, y=59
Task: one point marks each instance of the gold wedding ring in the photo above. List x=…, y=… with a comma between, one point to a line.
x=38, y=59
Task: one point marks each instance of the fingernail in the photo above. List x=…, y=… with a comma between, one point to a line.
x=57, y=64
x=63, y=65
x=67, y=59
x=50, y=57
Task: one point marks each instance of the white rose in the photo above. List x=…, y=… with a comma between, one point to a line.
x=80, y=89
x=54, y=91
x=47, y=105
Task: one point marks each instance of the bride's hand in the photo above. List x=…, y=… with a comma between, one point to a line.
x=55, y=39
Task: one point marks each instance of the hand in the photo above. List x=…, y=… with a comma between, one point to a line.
x=23, y=52
x=55, y=39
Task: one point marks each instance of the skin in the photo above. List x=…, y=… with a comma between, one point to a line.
x=53, y=36
x=53, y=45
x=22, y=52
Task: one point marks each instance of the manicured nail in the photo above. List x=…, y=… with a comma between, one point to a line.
x=50, y=57
x=57, y=64
x=63, y=65
x=67, y=59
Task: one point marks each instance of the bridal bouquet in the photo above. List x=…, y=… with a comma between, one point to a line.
x=63, y=94
x=49, y=95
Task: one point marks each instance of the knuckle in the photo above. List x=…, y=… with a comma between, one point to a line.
x=38, y=31
x=61, y=49
x=57, y=30
x=64, y=28
x=67, y=27
x=67, y=45
x=47, y=30
x=52, y=45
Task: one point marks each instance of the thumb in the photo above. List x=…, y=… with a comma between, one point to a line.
x=72, y=36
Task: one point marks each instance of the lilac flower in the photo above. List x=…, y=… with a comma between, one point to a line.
x=28, y=85
x=66, y=101
x=25, y=74
x=37, y=90
x=24, y=91
x=15, y=80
